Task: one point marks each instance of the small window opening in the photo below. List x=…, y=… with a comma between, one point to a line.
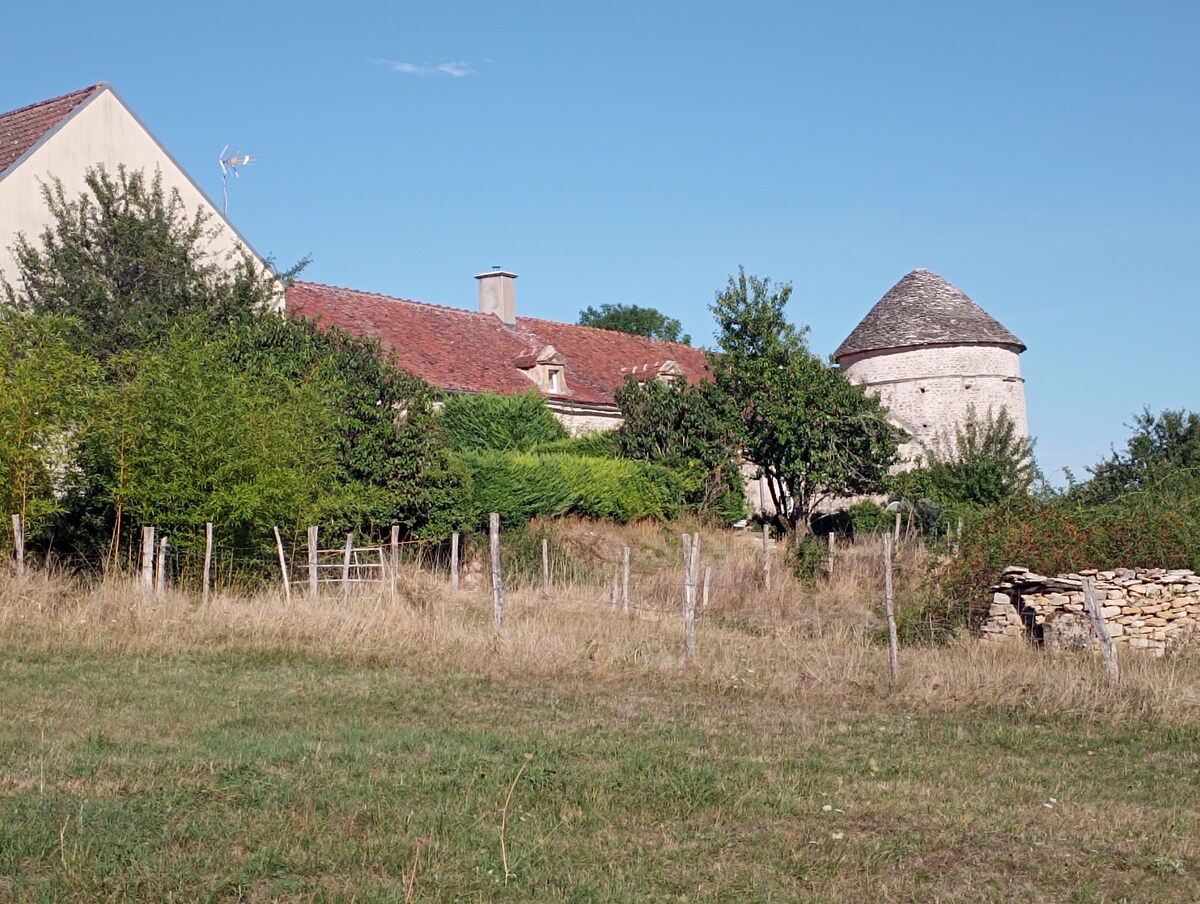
x=553, y=381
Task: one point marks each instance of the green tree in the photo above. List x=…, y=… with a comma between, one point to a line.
x=187, y=436
x=390, y=462
x=1162, y=446
x=629, y=318
x=45, y=387
x=812, y=433
x=125, y=261
x=692, y=429
x=984, y=463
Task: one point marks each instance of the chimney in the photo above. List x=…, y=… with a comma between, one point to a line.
x=497, y=295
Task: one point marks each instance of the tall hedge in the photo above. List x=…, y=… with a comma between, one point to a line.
x=521, y=486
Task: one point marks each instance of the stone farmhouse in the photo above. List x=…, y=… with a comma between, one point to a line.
x=927, y=349
x=576, y=368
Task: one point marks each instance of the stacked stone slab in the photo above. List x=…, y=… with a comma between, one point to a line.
x=1147, y=608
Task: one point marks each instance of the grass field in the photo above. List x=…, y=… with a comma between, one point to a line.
x=400, y=751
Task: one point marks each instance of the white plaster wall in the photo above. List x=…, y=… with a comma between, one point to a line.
x=929, y=390
x=103, y=131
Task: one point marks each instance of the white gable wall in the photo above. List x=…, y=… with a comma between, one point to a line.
x=101, y=130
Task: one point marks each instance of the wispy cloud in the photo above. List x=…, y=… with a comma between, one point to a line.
x=454, y=68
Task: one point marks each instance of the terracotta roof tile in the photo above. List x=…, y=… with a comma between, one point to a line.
x=467, y=351
x=924, y=309
x=22, y=129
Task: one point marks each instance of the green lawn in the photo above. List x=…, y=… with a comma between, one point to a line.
x=252, y=776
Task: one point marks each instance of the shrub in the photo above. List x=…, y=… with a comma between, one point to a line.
x=520, y=486
x=506, y=423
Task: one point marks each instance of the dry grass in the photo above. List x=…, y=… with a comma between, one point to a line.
x=789, y=642
x=393, y=746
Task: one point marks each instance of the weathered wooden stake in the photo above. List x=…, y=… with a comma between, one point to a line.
x=889, y=608
x=454, y=560
x=1102, y=636
x=19, y=544
x=832, y=549
x=899, y=517
x=546, y=566
x=497, y=581
x=283, y=567
x=346, y=554
x=148, y=558
x=314, y=552
x=208, y=547
x=625, y=581
x=707, y=580
x=691, y=563
x=957, y=537
x=766, y=558
x=160, y=570
x=395, y=556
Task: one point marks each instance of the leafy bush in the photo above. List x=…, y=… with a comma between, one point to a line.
x=868, y=517
x=985, y=463
x=506, y=423
x=691, y=429
x=809, y=557
x=1155, y=527
x=520, y=486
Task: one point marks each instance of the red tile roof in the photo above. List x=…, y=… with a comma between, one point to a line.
x=22, y=129
x=468, y=351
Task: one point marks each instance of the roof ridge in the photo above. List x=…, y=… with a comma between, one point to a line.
x=53, y=100
x=600, y=329
x=386, y=297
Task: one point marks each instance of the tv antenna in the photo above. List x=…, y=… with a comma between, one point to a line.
x=231, y=159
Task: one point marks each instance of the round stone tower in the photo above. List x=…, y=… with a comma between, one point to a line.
x=931, y=354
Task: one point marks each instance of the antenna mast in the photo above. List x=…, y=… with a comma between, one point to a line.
x=231, y=158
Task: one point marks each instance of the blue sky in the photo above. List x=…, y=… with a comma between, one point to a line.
x=1041, y=156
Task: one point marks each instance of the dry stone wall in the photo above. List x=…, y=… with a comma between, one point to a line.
x=1150, y=609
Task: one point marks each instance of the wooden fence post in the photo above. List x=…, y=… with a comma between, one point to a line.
x=160, y=569
x=148, y=557
x=497, y=582
x=691, y=563
x=889, y=608
x=346, y=554
x=832, y=548
x=314, y=552
x=1102, y=636
x=283, y=568
x=208, y=549
x=899, y=518
x=454, y=560
x=395, y=553
x=766, y=558
x=546, y=566
x=625, y=581
x=19, y=544
x=707, y=581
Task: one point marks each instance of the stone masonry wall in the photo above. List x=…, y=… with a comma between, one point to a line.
x=1150, y=609
x=928, y=390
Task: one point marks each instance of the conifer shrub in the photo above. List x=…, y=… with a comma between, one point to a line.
x=485, y=421
x=520, y=486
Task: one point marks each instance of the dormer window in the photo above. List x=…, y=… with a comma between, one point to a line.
x=546, y=368
x=663, y=371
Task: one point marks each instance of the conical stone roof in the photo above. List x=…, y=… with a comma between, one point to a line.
x=924, y=309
